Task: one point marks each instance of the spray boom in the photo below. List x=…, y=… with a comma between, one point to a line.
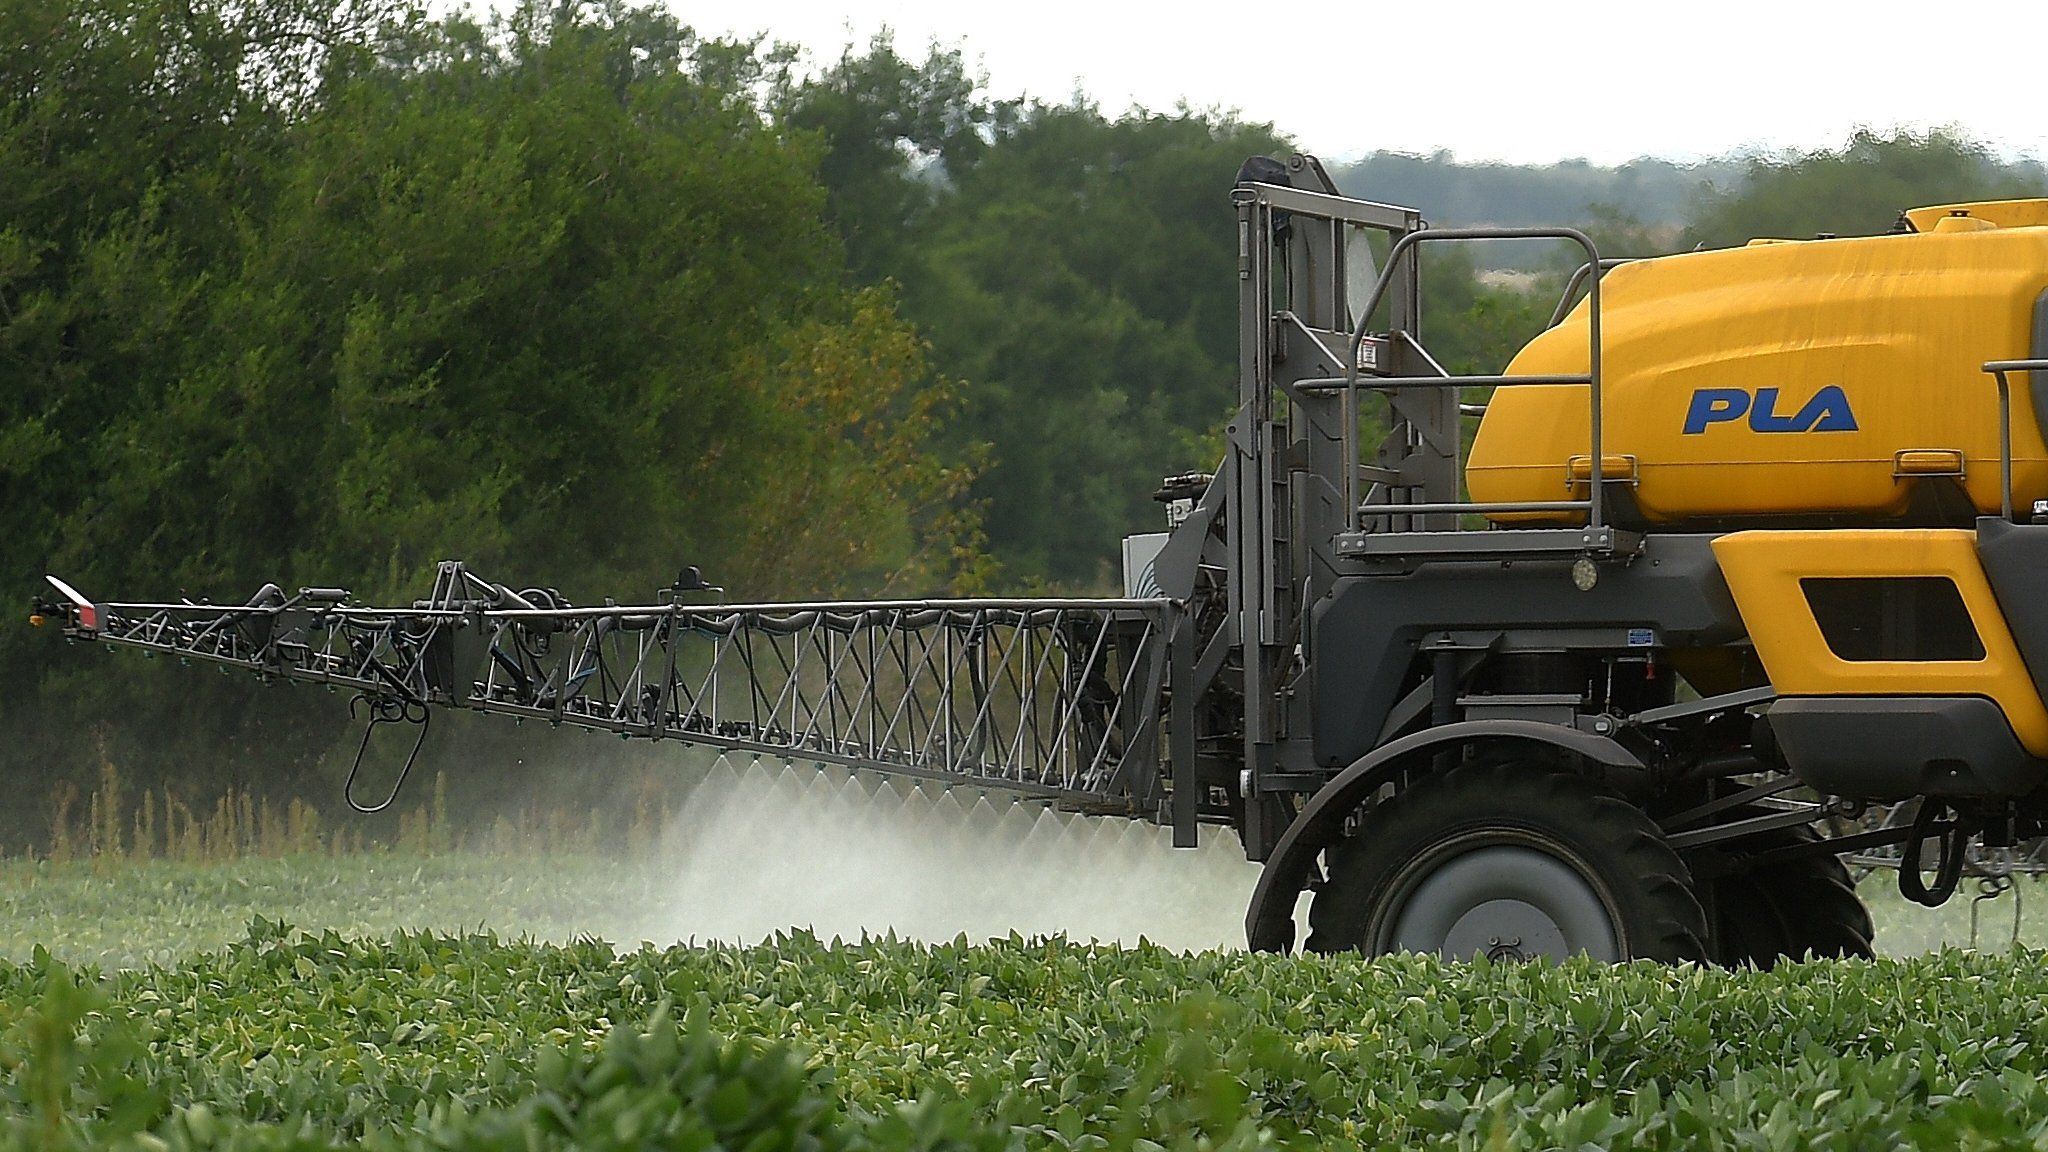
x=1052, y=698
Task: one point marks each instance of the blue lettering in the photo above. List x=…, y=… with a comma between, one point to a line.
x=1714, y=406
x=1763, y=415
x=1828, y=411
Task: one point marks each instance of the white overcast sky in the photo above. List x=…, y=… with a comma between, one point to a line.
x=1535, y=81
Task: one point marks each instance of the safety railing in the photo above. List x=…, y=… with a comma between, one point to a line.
x=1999, y=370
x=1355, y=380
x=1578, y=278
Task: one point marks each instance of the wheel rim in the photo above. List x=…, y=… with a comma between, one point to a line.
x=1501, y=894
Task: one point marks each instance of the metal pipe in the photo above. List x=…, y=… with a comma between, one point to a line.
x=1451, y=507
x=1578, y=277
x=1366, y=213
x=1998, y=369
x=1320, y=384
x=1597, y=514
x=1350, y=417
x=711, y=610
x=2004, y=447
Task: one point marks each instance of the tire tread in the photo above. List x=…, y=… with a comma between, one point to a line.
x=1672, y=926
x=1813, y=898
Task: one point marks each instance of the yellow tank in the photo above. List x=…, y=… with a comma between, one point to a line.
x=1802, y=379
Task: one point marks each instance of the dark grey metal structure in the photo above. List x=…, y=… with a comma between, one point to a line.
x=1329, y=655
x=1055, y=699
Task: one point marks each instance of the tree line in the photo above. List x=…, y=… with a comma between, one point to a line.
x=323, y=291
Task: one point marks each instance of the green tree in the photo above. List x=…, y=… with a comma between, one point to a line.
x=890, y=133
x=555, y=294
x=137, y=142
x=1858, y=189
x=1076, y=273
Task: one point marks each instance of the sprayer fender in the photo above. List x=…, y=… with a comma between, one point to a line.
x=1269, y=923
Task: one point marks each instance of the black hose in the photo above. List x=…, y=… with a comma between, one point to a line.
x=385, y=710
x=1948, y=871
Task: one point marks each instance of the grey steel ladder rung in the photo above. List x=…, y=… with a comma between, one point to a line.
x=1490, y=544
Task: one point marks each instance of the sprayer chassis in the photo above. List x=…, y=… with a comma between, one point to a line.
x=1321, y=631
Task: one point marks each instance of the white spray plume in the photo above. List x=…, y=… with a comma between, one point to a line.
x=763, y=847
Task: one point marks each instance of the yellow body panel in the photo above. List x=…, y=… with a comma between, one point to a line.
x=1997, y=213
x=1763, y=569
x=1901, y=325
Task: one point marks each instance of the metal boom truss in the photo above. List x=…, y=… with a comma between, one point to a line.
x=1059, y=699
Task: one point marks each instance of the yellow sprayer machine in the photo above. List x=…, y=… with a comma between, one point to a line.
x=1740, y=578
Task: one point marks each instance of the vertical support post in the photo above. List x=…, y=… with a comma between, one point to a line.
x=1352, y=496
x=947, y=671
x=1180, y=683
x=1139, y=705
x=1443, y=698
x=1250, y=585
x=2004, y=446
x=665, y=701
x=1596, y=514
x=1443, y=676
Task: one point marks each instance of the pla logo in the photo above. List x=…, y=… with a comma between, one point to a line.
x=1828, y=411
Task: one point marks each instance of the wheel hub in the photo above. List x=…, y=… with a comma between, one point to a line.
x=1504, y=902
x=1506, y=929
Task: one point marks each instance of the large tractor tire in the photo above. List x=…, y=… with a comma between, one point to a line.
x=1509, y=861
x=1799, y=908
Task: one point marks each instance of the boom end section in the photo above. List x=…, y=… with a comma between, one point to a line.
x=80, y=615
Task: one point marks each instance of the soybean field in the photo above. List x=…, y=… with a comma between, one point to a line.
x=499, y=998
x=421, y=1040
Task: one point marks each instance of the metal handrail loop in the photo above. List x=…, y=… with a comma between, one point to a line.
x=1596, y=512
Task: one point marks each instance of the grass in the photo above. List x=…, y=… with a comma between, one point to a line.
x=132, y=876
x=1907, y=929
x=215, y=1026
x=125, y=913
x=128, y=913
